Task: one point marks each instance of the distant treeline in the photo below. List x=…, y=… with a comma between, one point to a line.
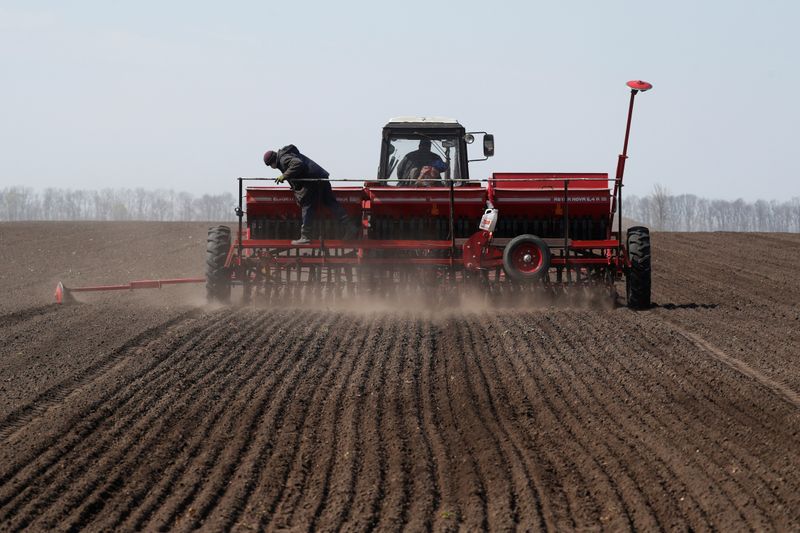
x=23, y=203
x=659, y=210
x=687, y=212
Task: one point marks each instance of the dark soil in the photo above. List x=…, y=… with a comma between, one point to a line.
x=150, y=411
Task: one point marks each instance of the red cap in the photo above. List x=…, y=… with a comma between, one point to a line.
x=270, y=158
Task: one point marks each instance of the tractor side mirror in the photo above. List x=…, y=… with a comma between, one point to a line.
x=488, y=145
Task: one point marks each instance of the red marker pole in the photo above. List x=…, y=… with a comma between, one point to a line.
x=636, y=86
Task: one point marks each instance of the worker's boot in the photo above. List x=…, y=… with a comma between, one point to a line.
x=305, y=237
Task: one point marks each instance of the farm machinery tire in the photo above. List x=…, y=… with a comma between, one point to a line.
x=218, y=284
x=637, y=280
x=526, y=258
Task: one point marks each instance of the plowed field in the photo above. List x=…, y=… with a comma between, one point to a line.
x=152, y=412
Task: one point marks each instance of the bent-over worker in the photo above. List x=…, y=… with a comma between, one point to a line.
x=311, y=187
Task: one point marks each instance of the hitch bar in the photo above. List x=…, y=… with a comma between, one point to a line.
x=64, y=294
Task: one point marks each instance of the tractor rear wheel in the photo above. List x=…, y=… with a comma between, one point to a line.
x=526, y=258
x=637, y=280
x=218, y=283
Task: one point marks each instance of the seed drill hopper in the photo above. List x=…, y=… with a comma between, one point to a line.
x=432, y=229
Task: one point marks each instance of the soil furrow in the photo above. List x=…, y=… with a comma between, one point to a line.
x=207, y=418
x=318, y=483
x=77, y=422
x=710, y=381
x=507, y=402
x=145, y=409
x=247, y=457
x=740, y=366
x=424, y=492
x=652, y=478
x=370, y=487
x=664, y=428
x=400, y=484
x=57, y=393
x=630, y=464
x=472, y=510
x=598, y=497
x=348, y=466
x=508, y=466
x=706, y=415
x=15, y=317
x=517, y=407
x=216, y=382
x=769, y=351
x=697, y=283
x=179, y=509
x=711, y=252
x=251, y=470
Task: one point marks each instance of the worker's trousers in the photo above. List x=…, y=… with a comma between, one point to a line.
x=312, y=200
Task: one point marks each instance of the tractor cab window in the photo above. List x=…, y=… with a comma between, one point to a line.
x=423, y=161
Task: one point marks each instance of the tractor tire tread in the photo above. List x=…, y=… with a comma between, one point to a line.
x=218, y=244
x=638, y=280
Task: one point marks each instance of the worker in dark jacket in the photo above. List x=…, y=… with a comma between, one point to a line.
x=311, y=187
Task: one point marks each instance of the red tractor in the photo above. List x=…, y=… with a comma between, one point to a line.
x=432, y=225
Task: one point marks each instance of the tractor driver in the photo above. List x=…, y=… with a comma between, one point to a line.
x=311, y=187
x=411, y=167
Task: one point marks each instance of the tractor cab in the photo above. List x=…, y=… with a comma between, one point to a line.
x=427, y=152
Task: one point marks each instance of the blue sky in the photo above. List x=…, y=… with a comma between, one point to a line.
x=188, y=95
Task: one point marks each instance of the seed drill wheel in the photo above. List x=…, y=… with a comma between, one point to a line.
x=526, y=258
x=637, y=280
x=218, y=244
